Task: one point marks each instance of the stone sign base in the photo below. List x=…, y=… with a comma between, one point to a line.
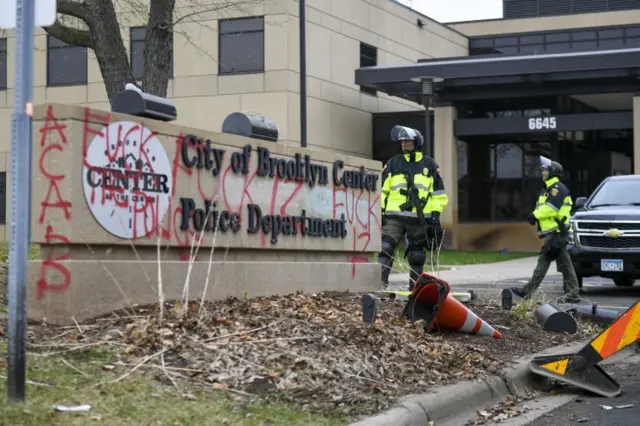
x=102, y=286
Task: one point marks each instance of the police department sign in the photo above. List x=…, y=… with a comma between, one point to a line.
x=127, y=180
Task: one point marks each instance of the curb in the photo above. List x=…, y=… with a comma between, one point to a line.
x=445, y=402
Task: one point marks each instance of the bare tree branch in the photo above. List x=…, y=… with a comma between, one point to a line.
x=70, y=35
x=75, y=9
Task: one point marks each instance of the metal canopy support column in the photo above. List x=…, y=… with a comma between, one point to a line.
x=427, y=93
x=635, y=163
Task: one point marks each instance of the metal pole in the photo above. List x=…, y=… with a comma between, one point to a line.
x=427, y=91
x=20, y=199
x=303, y=74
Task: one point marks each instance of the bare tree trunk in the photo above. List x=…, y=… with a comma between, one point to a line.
x=109, y=47
x=158, y=47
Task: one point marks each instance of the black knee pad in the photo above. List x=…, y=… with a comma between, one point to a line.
x=416, y=256
x=388, y=246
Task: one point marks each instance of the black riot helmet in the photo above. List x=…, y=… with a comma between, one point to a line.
x=554, y=168
x=402, y=133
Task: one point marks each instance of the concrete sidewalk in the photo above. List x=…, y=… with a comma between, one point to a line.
x=481, y=273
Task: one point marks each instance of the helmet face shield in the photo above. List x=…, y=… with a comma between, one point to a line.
x=545, y=163
x=403, y=133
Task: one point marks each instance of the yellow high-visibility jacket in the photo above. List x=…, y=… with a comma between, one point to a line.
x=426, y=178
x=554, y=204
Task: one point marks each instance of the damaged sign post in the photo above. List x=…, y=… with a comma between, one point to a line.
x=581, y=369
x=24, y=16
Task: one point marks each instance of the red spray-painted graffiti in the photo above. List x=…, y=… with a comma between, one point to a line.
x=361, y=216
x=53, y=139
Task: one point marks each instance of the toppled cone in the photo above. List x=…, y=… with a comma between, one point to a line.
x=581, y=369
x=369, y=309
x=591, y=312
x=430, y=301
x=551, y=318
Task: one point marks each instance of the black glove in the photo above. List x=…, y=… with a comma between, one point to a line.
x=531, y=219
x=435, y=230
x=435, y=221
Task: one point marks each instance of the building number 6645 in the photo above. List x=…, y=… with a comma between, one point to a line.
x=540, y=123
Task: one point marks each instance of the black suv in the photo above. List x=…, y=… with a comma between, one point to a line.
x=605, y=237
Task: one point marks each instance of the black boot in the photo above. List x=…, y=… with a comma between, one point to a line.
x=520, y=292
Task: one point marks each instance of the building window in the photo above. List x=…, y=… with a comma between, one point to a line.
x=498, y=181
x=3, y=63
x=136, y=53
x=3, y=198
x=66, y=63
x=557, y=41
x=368, y=58
x=241, y=46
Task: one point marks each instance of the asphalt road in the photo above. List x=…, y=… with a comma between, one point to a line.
x=589, y=410
x=596, y=290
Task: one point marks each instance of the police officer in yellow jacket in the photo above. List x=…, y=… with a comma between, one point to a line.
x=551, y=216
x=413, y=197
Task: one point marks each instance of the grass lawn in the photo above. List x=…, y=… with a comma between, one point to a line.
x=34, y=251
x=70, y=378
x=454, y=257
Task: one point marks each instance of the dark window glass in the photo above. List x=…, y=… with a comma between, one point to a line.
x=481, y=42
x=557, y=37
x=507, y=50
x=3, y=197
x=584, y=35
x=632, y=42
x=614, y=43
x=558, y=47
x=505, y=173
x=473, y=51
x=136, y=53
x=3, y=63
x=532, y=39
x=66, y=64
x=506, y=41
x=584, y=45
x=611, y=33
x=632, y=32
x=532, y=48
x=368, y=58
x=241, y=45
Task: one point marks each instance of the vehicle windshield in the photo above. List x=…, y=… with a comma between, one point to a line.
x=618, y=193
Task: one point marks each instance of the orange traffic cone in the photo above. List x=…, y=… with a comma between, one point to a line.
x=431, y=301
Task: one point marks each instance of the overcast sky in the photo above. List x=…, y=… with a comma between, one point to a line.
x=457, y=10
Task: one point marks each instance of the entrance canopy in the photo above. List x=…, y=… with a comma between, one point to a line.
x=497, y=76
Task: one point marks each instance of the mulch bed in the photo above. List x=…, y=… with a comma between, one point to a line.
x=309, y=350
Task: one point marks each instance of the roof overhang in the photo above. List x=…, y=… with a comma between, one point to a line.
x=455, y=77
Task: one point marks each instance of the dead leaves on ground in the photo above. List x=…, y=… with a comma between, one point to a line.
x=310, y=350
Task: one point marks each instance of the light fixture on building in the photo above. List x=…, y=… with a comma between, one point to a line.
x=420, y=22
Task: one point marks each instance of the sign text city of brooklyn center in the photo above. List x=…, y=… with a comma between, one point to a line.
x=134, y=188
x=314, y=216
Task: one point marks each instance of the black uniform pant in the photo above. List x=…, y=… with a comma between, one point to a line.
x=564, y=266
x=393, y=231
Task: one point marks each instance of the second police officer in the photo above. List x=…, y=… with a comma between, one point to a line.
x=551, y=216
x=413, y=197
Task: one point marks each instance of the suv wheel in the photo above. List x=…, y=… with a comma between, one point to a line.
x=624, y=281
